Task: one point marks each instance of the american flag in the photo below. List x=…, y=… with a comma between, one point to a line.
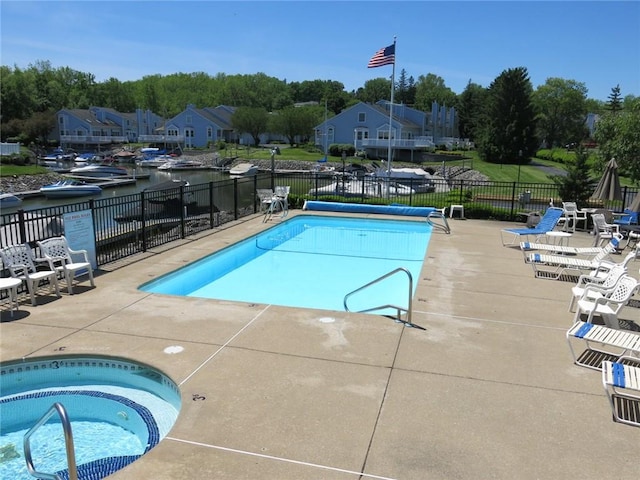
x=384, y=56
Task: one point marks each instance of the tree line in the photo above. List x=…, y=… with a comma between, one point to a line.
x=508, y=120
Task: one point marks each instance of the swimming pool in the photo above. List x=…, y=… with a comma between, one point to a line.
x=119, y=410
x=309, y=262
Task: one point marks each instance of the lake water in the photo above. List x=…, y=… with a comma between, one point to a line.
x=194, y=177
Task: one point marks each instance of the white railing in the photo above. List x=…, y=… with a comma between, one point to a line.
x=9, y=148
x=161, y=138
x=418, y=142
x=101, y=139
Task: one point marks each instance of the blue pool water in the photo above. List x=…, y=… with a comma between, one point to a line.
x=309, y=262
x=118, y=409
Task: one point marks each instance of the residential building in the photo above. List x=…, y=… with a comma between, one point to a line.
x=98, y=126
x=366, y=127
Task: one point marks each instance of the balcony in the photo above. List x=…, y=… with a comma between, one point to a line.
x=410, y=144
x=161, y=138
x=92, y=139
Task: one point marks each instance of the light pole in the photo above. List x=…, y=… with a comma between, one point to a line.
x=519, y=164
x=344, y=158
x=273, y=168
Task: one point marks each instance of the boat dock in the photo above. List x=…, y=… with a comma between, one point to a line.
x=101, y=182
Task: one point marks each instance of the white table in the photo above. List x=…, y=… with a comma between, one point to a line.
x=11, y=285
x=558, y=238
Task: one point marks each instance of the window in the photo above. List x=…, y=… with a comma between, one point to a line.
x=209, y=132
x=189, y=119
x=362, y=117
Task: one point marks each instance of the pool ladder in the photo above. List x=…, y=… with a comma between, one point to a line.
x=399, y=310
x=68, y=442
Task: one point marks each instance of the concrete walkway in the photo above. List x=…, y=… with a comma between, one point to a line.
x=488, y=390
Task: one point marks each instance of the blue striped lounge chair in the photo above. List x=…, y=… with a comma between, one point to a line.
x=547, y=223
x=621, y=382
x=554, y=266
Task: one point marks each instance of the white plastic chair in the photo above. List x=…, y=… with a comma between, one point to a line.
x=18, y=259
x=593, y=287
x=265, y=197
x=608, y=306
x=60, y=256
x=572, y=216
x=603, y=230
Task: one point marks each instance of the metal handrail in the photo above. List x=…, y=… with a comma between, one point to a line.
x=68, y=441
x=399, y=309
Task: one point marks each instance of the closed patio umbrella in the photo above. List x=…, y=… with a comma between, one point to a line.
x=608, y=187
x=635, y=204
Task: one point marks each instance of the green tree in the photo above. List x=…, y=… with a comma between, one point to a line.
x=39, y=126
x=575, y=186
x=432, y=88
x=470, y=110
x=618, y=136
x=614, y=100
x=251, y=120
x=561, y=107
x=508, y=132
x=295, y=122
x=374, y=90
x=405, y=89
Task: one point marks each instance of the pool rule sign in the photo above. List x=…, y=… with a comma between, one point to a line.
x=78, y=229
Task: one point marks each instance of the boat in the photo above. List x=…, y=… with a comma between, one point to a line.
x=102, y=171
x=416, y=178
x=243, y=170
x=162, y=200
x=69, y=188
x=9, y=200
x=183, y=165
x=366, y=187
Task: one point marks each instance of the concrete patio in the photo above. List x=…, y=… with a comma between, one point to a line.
x=487, y=390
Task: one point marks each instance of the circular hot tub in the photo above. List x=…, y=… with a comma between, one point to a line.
x=118, y=409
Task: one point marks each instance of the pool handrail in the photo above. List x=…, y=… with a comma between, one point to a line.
x=407, y=322
x=68, y=442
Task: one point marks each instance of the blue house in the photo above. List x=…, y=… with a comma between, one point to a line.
x=92, y=128
x=366, y=127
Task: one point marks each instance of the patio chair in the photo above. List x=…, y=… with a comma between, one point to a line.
x=19, y=260
x=607, y=306
x=621, y=382
x=279, y=202
x=628, y=217
x=594, y=286
x=603, y=230
x=547, y=223
x=265, y=197
x=554, y=266
x=571, y=216
x=64, y=260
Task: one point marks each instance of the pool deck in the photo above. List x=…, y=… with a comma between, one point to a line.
x=487, y=390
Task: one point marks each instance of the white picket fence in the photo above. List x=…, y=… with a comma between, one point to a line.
x=9, y=148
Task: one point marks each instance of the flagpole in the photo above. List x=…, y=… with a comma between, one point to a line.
x=393, y=81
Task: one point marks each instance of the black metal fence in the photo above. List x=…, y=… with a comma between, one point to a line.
x=130, y=224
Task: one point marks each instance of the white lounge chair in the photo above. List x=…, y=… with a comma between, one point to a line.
x=554, y=266
x=19, y=260
x=63, y=259
x=621, y=382
x=602, y=343
x=560, y=249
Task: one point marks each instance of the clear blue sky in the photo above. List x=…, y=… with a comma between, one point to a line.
x=596, y=43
